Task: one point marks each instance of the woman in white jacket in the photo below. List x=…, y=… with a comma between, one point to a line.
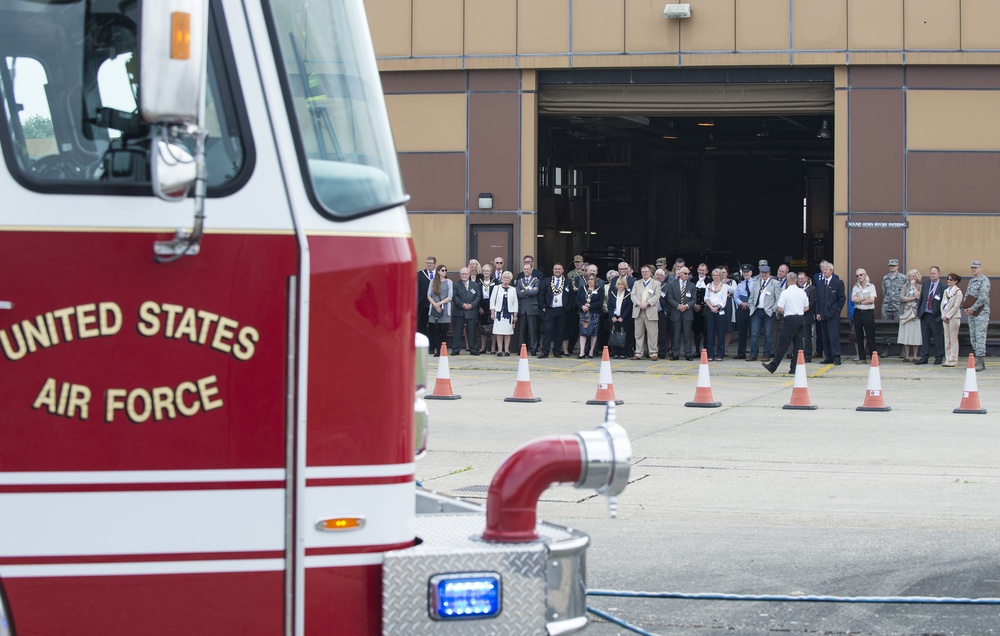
x=503, y=310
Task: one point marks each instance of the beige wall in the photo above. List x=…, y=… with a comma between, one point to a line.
x=439, y=235
x=952, y=120
x=439, y=34
x=952, y=243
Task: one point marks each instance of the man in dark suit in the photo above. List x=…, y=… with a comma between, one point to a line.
x=812, y=293
x=681, y=295
x=465, y=313
x=424, y=278
x=556, y=304
x=624, y=269
x=536, y=273
x=929, y=312
x=831, y=302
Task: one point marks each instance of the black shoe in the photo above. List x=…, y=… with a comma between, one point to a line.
x=543, y=355
x=809, y=359
x=455, y=353
x=751, y=358
x=827, y=361
x=836, y=361
x=689, y=358
x=506, y=354
x=739, y=357
x=474, y=352
x=437, y=354
x=768, y=367
x=556, y=354
x=675, y=357
x=499, y=354
x=938, y=360
x=790, y=372
x=921, y=361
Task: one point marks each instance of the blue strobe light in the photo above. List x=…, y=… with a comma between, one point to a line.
x=464, y=595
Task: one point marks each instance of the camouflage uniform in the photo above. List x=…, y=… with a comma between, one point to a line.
x=892, y=289
x=979, y=286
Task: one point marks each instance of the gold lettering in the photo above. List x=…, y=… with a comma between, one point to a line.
x=79, y=397
x=134, y=396
x=63, y=397
x=163, y=400
x=85, y=317
x=171, y=311
x=47, y=396
x=36, y=334
x=207, y=388
x=224, y=330
x=63, y=316
x=114, y=400
x=114, y=312
x=149, y=322
x=208, y=319
x=22, y=349
x=245, y=349
x=50, y=324
x=187, y=387
x=187, y=326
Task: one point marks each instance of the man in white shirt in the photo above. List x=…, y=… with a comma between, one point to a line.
x=792, y=304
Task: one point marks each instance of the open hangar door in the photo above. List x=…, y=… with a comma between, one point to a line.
x=710, y=168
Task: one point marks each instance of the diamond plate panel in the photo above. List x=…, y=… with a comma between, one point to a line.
x=452, y=543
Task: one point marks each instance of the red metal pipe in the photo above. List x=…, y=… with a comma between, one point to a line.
x=521, y=480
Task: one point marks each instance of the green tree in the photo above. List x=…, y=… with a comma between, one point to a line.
x=38, y=127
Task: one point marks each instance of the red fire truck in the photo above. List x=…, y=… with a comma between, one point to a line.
x=213, y=429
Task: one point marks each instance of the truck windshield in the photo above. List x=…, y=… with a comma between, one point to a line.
x=336, y=106
x=69, y=80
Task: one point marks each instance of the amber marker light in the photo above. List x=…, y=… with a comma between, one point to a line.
x=180, y=36
x=340, y=524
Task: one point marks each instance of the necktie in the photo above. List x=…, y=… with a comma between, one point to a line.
x=682, y=289
x=466, y=285
x=431, y=275
x=930, y=296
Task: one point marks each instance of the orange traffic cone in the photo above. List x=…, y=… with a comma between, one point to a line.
x=522, y=391
x=873, y=396
x=605, y=387
x=800, y=392
x=703, y=392
x=970, y=394
x=442, y=386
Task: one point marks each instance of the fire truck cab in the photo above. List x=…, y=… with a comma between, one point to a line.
x=207, y=414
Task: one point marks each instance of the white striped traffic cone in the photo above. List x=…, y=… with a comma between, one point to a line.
x=800, y=390
x=605, y=387
x=970, y=394
x=873, y=396
x=703, y=392
x=522, y=391
x=442, y=386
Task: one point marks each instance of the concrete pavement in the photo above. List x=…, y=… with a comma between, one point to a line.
x=752, y=499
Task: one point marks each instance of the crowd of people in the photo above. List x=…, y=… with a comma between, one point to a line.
x=674, y=313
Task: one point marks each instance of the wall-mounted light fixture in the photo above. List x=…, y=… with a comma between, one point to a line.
x=485, y=200
x=706, y=122
x=676, y=11
x=824, y=131
x=671, y=131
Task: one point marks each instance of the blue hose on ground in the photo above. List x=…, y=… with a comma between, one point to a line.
x=784, y=598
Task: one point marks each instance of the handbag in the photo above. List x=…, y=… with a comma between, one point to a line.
x=617, y=338
x=906, y=313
